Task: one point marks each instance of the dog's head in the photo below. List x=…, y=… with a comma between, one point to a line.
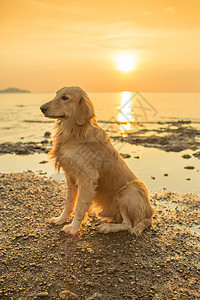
x=70, y=103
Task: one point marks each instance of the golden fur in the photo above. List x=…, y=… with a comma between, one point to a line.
x=94, y=170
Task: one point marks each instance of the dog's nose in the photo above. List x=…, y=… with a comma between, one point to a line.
x=43, y=108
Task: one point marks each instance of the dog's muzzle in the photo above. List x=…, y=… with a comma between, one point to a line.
x=43, y=108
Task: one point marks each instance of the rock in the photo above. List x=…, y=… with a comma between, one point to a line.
x=187, y=156
x=152, y=177
x=179, y=138
x=68, y=295
x=95, y=296
x=188, y=179
x=47, y=134
x=42, y=173
x=165, y=174
x=175, y=148
x=111, y=270
x=88, y=270
x=43, y=162
x=91, y=251
x=44, y=142
x=197, y=154
x=42, y=295
x=89, y=283
x=23, y=148
x=189, y=167
x=97, y=261
x=125, y=155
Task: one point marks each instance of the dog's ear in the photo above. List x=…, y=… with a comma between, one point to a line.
x=85, y=111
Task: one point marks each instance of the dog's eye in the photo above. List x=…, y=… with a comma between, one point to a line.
x=64, y=98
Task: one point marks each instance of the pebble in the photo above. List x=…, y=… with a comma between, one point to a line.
x=89, y=283
x=97, y=261
x=95, y=296
x=42, y=295
x=43, y=162
x=111, y=270
x=44, y=142
x=68, y=295
x=88, y=269
x=47, y=134
x=187, y=156
x=90, y=250
x=189, y=167
x=197, y=154
x=125, y=155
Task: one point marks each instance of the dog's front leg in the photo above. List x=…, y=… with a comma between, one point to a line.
x=86, y=193
x=69, y=204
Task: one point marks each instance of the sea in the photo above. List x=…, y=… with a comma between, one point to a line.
x=118, y=113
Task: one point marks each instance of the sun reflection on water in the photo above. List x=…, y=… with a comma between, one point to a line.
x=125, y=111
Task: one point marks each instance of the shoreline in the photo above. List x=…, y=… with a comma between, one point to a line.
x=167, y=136
x=164, y=155
x=37, y=258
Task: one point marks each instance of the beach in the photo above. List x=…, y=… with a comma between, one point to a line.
x=39, y=261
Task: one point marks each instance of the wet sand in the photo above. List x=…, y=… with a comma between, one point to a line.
x=39, y=261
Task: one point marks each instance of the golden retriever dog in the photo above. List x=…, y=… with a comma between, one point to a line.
x=94, y=170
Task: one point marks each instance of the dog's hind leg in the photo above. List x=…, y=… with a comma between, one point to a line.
x=135, y=209
x=140, y=226
x=114, y=227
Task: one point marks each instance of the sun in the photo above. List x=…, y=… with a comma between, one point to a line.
x=126, y=62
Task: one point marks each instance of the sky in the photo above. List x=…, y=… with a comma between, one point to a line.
x=48, y=44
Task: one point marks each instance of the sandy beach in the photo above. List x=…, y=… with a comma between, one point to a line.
x=39, y=261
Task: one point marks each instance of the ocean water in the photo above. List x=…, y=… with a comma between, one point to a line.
x=21, y=119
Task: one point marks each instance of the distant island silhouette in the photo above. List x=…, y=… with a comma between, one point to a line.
x=14, y=90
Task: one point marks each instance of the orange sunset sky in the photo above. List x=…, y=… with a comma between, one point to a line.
x=47, y=44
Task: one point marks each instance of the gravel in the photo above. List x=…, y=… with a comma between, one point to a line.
x=38, y=261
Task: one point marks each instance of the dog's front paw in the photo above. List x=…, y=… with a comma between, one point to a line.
x=58, y=220
x=69, y=229
x=104, y=228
